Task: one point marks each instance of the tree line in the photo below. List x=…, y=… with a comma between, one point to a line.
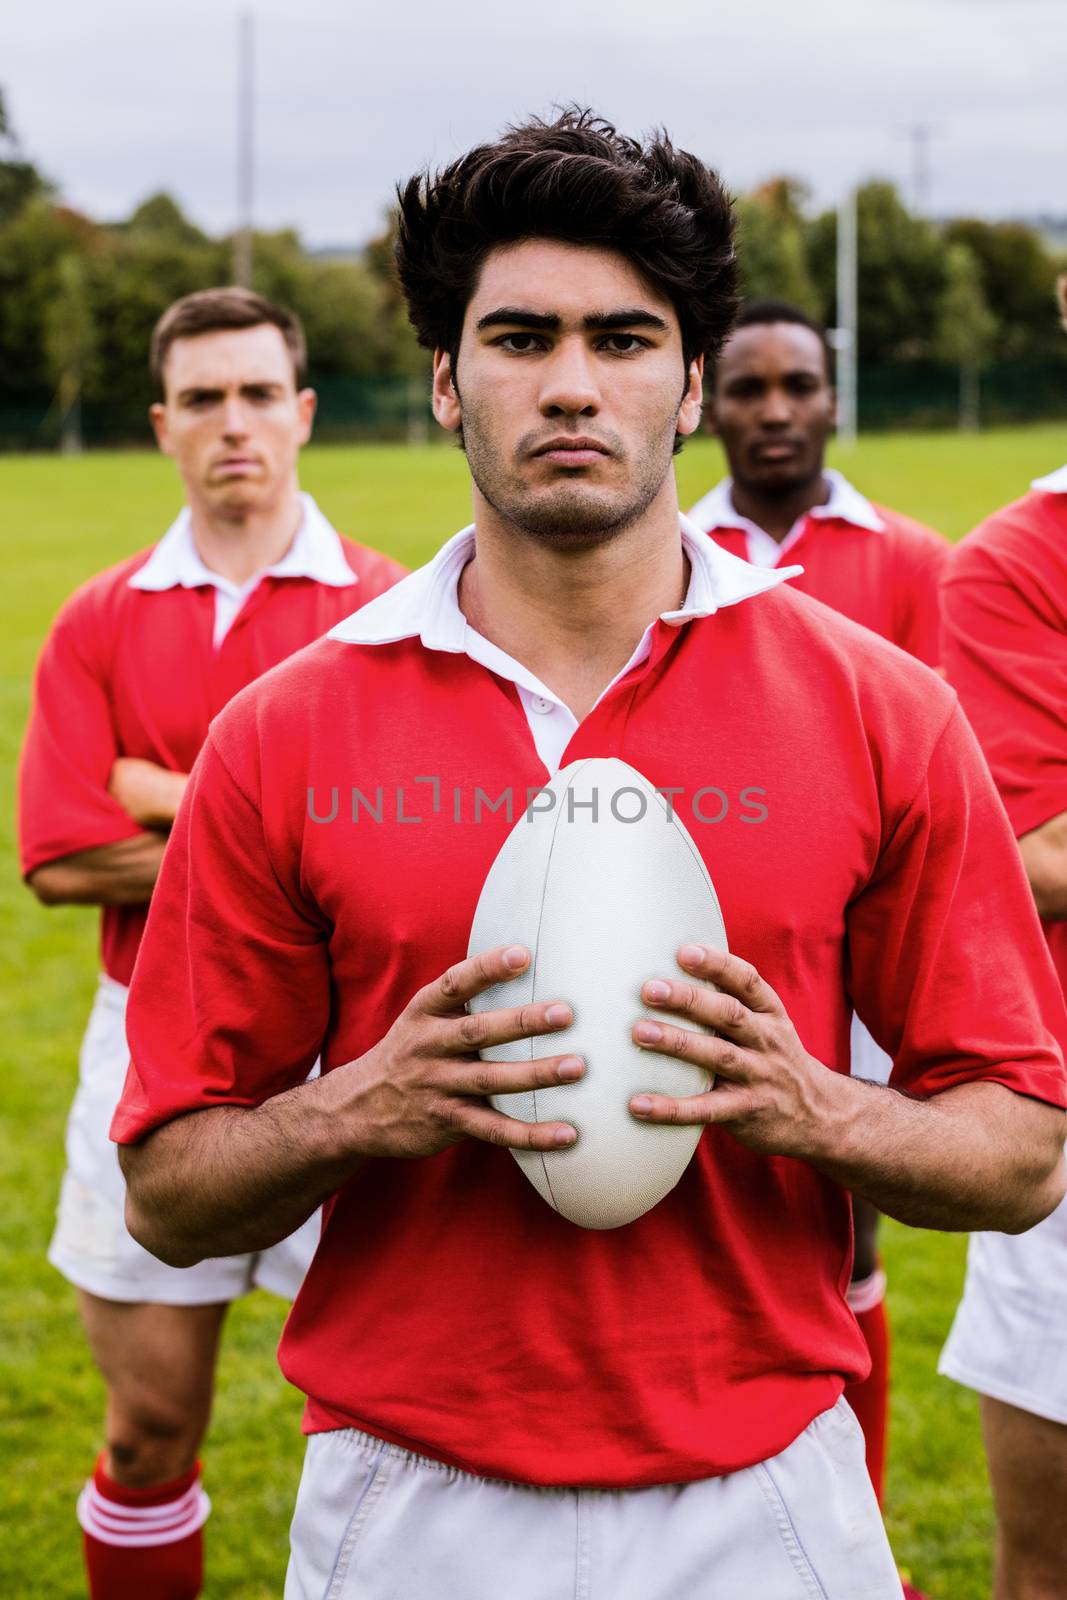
x=79, y=297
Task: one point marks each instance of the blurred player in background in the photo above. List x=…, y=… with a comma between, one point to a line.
x=773, y=406
x=1005, y=651
x=137, y=663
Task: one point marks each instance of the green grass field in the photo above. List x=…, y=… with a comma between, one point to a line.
x=64, y=520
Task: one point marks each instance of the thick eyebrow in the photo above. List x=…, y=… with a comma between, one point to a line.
x=595, y=322
x=630, y=317
x=519, y=317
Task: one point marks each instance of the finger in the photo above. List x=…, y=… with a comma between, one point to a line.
x=450, y=992
x=479, y=1030
x=717, y=1106
x=510, y=1077
x=493, y=1127
x=724, y=1012
x=721, y=1056
x=731, y=974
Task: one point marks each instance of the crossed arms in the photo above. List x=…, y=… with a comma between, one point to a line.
x=123, y=873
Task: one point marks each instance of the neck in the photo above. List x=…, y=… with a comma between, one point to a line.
x=776, y=514
x=239, y=544
x=573, y=617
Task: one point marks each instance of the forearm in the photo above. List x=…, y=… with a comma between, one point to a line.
x=230, y=1180
x=119, y=874
x=147, y=792
x=1044, y=853
x=977, y=1157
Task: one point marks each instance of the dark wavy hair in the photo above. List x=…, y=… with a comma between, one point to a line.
x=578, y=180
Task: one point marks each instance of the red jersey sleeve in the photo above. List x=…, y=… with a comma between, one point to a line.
x=231, y=992
x=69, y=748
x=946, y=963
x=919, y=603
x=1005, y=652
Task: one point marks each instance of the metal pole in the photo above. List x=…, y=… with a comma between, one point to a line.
x=242, y=239
x=921, y=134
x=845, y=339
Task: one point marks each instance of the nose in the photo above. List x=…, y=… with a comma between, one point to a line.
x=776, y=410
x=569, y=385
x=234, y=423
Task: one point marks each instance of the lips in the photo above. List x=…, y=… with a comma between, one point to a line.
x=779, y=450
x=573, y=451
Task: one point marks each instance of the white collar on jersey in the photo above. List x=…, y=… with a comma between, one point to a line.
x=426, y=604
x=846, y=504
x=316, y=552
x=1052, y=482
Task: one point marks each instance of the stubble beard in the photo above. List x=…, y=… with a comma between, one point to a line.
x=571, y=514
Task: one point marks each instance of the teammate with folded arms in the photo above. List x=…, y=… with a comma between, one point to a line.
x=138, y=662
x=1005, y=607
x=475, y=1364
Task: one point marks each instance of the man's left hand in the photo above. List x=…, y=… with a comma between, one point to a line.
x=149, y=793
x=769, y=1092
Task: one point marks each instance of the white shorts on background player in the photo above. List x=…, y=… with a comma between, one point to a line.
x=869, y=1060
x=375, y=1522
x=91, y=1246
x=1009, y=1338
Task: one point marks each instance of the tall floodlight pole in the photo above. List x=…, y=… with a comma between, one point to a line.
x=845, y=334
x=242, y=239
x=921, y=135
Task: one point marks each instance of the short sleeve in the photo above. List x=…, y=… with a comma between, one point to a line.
x=69, y=750
x=919, y=601
x=946, y=962
x=231, y=992
x=1007, y=660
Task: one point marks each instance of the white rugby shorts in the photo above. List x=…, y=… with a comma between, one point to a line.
x=91, y=1246
x=1009, y=1337
x=868, y=1059
x=375, y=1522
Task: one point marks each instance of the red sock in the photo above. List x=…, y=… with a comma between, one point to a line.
x=870, y=1399
x=144, y=1542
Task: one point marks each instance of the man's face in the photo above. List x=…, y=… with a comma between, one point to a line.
x=773, y=407
x=232, y=417
x=570, y=387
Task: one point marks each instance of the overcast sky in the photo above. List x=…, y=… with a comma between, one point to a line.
x=119, y=98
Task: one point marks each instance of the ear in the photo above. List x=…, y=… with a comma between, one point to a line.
x=157, y=416
x=306, y=404
x=446, y=406
x=693, y=400
x=833, y=408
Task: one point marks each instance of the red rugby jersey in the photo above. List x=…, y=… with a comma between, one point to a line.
x=1004, y=600
x=132, y=672
x=448, y=1309
x=874, y=565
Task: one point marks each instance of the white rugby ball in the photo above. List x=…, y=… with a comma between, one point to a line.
x=602, y=888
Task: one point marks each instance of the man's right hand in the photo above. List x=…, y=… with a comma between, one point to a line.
x=261, y=1170
x=424, y=1087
